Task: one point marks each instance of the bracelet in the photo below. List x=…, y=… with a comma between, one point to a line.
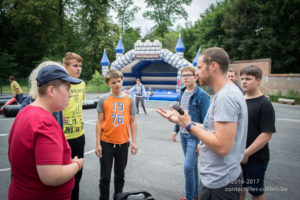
x=75, y=161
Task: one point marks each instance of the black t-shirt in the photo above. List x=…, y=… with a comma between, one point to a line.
x=261, y=118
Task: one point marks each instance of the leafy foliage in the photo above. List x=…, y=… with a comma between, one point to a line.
x=97, y=84
x=250, y=30
x=36, y=30
x=130, y=36
x=275, y=97
x=263, y=29
x=207, y=31
x=125, y=12
x=164, y=13
x=97, y=33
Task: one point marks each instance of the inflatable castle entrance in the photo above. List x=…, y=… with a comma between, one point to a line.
x=156, y=67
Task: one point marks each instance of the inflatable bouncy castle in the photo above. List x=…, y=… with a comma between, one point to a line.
x=157, y=68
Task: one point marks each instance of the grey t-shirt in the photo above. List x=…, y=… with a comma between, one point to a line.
x=185, y=99
x=228, y=105
x=139, y=90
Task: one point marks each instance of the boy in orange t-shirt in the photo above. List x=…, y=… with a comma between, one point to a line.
x=116, y=114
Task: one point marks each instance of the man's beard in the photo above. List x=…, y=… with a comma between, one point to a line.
x=204, y=81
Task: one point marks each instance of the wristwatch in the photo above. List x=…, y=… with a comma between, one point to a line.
x=188, y=127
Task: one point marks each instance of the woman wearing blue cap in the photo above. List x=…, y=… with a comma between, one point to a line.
x=39, y=155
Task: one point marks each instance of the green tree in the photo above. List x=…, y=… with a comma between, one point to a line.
x=242, y=26
x=130, y=36
x=164, y=13
x=7, y=65
x=207, y=31
x=97, y=33
x=7, y=55
x=32, y=32
x=32, y=23
x=265, y=29
x=170, y=40
x=125, y=12
x=97, y=83
x=249, y=30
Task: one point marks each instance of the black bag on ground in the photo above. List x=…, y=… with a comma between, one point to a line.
x=139, y=195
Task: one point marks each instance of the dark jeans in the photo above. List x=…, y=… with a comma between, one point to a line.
x=77, y=148
x=229, y=192
x=19, y=98
x=137, y=100
x=118, y=154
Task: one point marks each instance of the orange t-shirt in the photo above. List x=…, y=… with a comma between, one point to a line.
x=116, y=118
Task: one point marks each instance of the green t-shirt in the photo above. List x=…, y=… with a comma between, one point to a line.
x=14, y=86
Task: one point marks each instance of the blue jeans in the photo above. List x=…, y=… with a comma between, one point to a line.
x=19, y=98
x=189, y=146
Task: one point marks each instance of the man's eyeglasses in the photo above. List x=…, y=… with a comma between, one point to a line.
x=186, y=75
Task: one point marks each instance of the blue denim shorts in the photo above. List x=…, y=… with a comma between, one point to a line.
x=254, y=175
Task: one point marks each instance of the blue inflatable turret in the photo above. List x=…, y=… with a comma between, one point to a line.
x=119, y=49
x=179, y=52
x=196, y=57
x=104, y=63
x=179, y=46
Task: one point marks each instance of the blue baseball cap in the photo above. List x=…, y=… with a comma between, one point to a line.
x=52, y=72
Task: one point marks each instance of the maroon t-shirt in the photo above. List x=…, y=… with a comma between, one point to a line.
x=36, y=139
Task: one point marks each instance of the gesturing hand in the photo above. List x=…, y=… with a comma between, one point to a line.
x=175, y=117
x=169, y=115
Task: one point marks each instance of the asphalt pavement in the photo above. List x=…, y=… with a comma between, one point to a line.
x=158, y=165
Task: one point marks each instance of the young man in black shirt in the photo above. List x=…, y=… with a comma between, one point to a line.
x=261, y=126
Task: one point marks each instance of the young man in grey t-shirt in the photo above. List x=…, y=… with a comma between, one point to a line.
x=223, y=132
x=140, y=94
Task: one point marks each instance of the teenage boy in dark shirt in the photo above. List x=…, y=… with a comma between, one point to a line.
x=261, y=126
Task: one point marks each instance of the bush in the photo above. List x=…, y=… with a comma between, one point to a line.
x=97, y=84
x=292, y=94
